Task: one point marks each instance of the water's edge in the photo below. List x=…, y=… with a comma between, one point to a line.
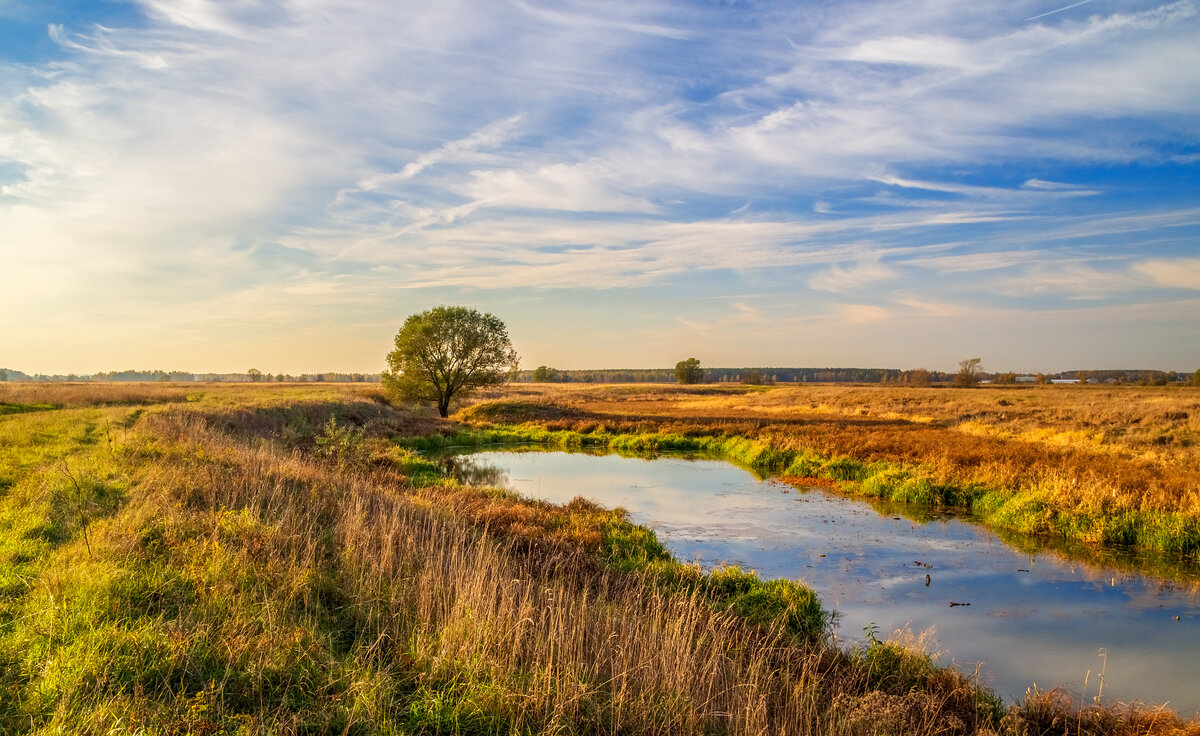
x=1031, y=608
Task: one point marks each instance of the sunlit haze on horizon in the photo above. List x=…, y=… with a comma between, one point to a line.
x=209, y=186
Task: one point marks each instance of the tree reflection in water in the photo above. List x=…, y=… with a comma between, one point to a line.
x=471, y=471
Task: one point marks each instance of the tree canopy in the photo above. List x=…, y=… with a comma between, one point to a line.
x=969, y=372
x=689, y=371
x=545, y=374
x=447, y=352
x=753, y=378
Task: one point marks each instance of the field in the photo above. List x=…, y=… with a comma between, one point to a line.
x=275, y=559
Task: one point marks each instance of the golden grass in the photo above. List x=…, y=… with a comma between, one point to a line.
x=246, y=582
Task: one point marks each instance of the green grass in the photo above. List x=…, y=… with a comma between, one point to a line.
x=61, y=481
x=11, y=408
x=119, y=615
x=631, y=548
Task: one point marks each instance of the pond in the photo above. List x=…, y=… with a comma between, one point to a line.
x=1021, y=610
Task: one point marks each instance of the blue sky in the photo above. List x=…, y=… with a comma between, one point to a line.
x=215, y=185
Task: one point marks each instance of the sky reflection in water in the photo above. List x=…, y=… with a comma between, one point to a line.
x=1034, y=616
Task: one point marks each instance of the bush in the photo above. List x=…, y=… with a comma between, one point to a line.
x=343, y=444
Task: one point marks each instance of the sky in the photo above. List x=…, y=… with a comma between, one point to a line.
x=210, y=185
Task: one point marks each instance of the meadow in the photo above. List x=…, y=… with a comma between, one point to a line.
x=277, y=559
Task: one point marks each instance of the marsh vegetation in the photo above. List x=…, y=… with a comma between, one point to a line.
x=1115, y=465
x=269, y=559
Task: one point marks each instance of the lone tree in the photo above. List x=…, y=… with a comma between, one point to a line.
x=545, y=374
x=689, y=371
x=445, y=352
x=969, y=371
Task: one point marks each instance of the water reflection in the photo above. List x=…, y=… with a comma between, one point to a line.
x=474, y=470
x=1037, y=611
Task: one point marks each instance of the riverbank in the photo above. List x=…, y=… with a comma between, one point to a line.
x=1015, y=469
x=267, y=560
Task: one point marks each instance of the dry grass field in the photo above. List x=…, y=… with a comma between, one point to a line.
x=267, y=559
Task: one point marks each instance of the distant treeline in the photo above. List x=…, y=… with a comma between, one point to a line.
x=1144, y=377
x=252, y=375
x=919, y=376
x=721, y=375
x=544, y=374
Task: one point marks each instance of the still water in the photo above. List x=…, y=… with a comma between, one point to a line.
x=1024, y=613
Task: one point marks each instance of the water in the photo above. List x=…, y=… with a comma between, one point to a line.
x=1054, y=617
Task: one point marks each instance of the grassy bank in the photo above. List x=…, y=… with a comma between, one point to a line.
x=262, y=562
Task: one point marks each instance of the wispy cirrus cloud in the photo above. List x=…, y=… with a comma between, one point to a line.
x=287, y=154
x=841, y=279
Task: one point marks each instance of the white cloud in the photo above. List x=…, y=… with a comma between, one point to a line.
x=1071, y=280
x=934, y=308
x=743, y=316
x=841, y=279
x=490, y=135
x=860, y=314
x=923, y=50
x=1178, y=273
x=585, y=187
x=1051, y=186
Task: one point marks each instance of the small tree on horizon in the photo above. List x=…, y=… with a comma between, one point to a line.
x=545, y=374
x=969, y=371
x=254, y=374
x=919, y=377
x=689, y=371
x=446, y=352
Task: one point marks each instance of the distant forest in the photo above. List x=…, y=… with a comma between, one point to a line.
x=544, y=374
x=770, y=375
x=831, y=375
x=726, y=375
x=188, y=377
